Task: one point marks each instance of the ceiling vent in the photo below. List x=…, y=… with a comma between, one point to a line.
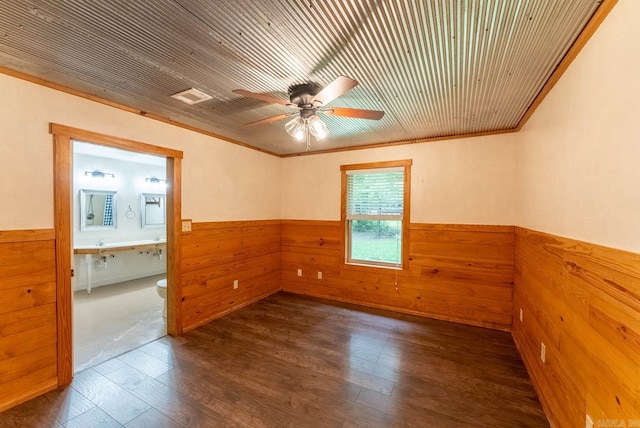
x=191, y=96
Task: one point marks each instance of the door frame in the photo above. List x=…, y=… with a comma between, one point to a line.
x=63, y=202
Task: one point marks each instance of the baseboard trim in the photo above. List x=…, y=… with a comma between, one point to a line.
x=228, y=311
x=47, y=387
x=401, y=310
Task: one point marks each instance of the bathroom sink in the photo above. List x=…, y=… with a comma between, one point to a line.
x=117, y=246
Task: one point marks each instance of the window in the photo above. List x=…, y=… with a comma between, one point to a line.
x=375, y=213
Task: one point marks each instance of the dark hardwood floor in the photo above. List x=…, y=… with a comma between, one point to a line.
x=295, y=361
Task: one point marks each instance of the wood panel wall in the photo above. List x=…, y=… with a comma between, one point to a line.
x=583, y=302
x=28, y=360
x=460, y=273
x=216, y=254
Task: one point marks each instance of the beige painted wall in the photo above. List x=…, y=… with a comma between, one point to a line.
x=573, y=170
x=469, y=181
x=221, y=181
x=457, y=181
x=579, y=154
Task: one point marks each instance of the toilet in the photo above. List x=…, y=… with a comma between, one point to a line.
x=162, y=292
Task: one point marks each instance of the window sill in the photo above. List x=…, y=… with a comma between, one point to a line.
x=364, y=267
x=373, y=265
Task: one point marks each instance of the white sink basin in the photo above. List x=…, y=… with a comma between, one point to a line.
x=111, y=245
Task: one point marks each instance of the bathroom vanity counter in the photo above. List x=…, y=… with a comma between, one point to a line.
x=111, y=247
x=102, y=251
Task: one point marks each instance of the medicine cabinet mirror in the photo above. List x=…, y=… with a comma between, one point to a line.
x=153, y=209
x=98, y=209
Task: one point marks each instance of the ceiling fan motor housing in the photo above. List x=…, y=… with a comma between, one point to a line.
x=301, y=94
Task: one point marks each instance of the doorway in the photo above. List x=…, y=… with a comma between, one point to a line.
x=119, y=246
x=63, y=178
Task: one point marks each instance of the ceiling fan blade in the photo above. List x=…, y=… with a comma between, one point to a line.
x=355, y=113
x=269, y=119
x=333, y=90
x=261, y=97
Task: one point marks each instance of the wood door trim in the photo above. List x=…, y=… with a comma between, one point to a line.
x=108, y=140
x=63, y=170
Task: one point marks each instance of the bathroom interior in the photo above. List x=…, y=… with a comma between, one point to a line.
x=119, y=246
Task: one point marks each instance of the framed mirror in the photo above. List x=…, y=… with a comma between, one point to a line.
x=153, y=209
x=98, y=209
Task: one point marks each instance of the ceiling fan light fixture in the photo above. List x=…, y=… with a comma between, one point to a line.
x=300, y=136
x=297, y=128
x=318, y=127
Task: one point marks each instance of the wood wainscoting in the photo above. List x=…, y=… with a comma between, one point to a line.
x=583, y=302
x=461, y=273
x=28, y=359
x=216, y=254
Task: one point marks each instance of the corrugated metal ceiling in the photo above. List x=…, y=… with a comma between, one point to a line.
x=436, y=68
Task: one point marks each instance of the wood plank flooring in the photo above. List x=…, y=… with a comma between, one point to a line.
x=290, y=360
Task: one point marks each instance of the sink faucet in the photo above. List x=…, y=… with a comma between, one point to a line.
x=101, y=243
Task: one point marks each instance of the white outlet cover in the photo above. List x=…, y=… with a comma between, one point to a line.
x=543, y=352
x=235, y=284
x=299, y=272
x=319, y=275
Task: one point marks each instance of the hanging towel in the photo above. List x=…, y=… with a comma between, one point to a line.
x=108, y=210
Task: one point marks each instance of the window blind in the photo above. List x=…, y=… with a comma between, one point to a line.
x=375, y=195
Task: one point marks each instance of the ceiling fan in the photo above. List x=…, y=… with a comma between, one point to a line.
x=310, y=99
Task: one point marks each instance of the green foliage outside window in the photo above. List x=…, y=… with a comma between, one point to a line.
x=381, y=228
x=376, y=240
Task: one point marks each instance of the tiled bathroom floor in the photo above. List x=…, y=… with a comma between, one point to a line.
x=114, y=319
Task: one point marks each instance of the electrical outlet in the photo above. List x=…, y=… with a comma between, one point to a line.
x=588, y=422
x=299, y=272
x=521, y=312
x=235, y=284
x=543, y=352
x=319, y=275
x=186, y=225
